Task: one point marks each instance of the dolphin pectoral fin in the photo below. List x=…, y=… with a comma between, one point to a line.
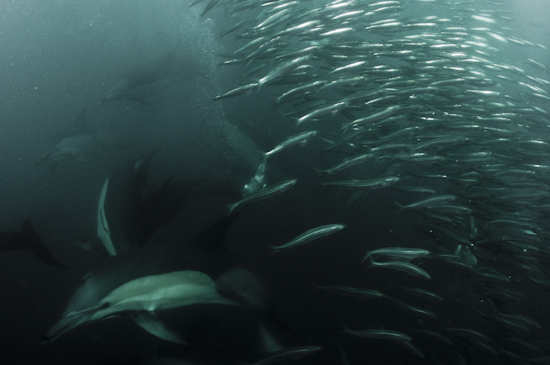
x=152, y=324
x=215, y=234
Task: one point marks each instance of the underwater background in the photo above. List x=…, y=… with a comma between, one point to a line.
x=444, y=103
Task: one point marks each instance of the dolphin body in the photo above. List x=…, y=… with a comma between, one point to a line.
x=120, y=206
x=139, y=282
x=77, y=142
x=147, y=282
x=80, y=148
x=131, y=86
x=144, y=282
x=27, y=239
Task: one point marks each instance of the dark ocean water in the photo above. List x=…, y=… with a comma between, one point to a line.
x=58, y=57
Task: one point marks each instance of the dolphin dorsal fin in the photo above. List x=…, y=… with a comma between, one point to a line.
x=217, y=231
x=103, y=232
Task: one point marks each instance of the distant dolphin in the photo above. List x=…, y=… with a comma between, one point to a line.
x=79, y=148
x=130, y=85
x=27, y=239
x=79, y=125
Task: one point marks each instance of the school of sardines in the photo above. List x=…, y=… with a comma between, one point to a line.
x=427, y=106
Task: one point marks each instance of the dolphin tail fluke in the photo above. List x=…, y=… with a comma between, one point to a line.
x=152, y=324
x=35, y=245
x=139, y=99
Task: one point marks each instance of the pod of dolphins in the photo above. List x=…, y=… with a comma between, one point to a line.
x=413, y=129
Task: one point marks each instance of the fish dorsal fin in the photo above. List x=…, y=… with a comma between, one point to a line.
x=103, y=232
x=215, y=233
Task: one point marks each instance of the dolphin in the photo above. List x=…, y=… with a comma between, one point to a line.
x=27, y=239
x=79, y=148
x=79, y=125
x=141, y=297
x=124, y=220
x=131, y=86
x=168, y=273
x=157, y=277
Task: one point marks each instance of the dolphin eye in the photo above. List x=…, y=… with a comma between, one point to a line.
x=105, y=305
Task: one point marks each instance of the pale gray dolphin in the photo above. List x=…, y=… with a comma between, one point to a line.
x=81, y=148
x=156, y=277
x=79, y=125
x=131, y=85
x=170, y=272
x=141, y=297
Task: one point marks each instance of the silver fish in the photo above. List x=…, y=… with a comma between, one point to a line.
x=310, y=235
x=378, y=334
x=292, y=141
x=364, y=184
x=348, y=162
x=401, y=253
x=264, y=193
x=429, y=202
x=245, y=89
x=402, y=266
